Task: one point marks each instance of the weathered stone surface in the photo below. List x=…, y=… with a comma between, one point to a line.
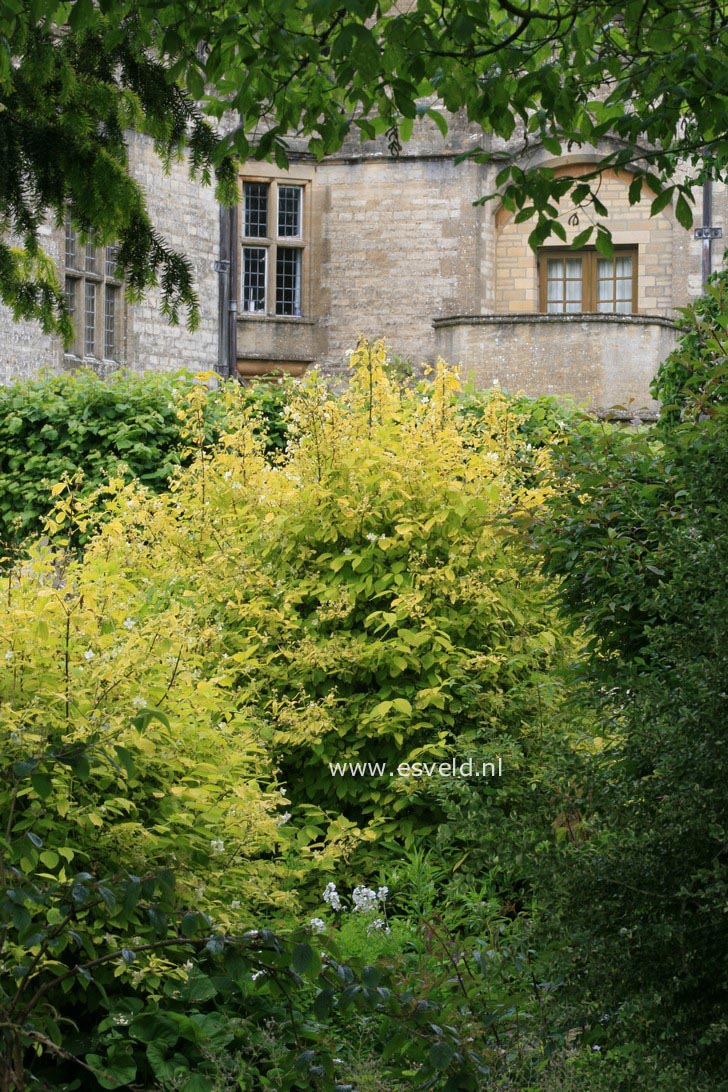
x=397, y=248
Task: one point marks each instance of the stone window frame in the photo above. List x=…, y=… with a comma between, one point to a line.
x=589, y=257
x=95, y=298
x=284, y=256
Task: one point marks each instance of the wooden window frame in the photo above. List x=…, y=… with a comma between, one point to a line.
x=272, y=242
x=589, y=257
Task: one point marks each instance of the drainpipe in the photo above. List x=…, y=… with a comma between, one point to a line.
x=707, y=237
x=233, y=294
x=707, y=233
x=227, y=311
x=222, y=268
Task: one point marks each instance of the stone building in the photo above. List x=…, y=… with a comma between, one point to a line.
x=365, y=243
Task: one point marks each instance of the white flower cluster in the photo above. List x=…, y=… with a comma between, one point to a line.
x=217, y=845
x=317, y=925
x=331, y=896
x=364, y=899
x=379, y=924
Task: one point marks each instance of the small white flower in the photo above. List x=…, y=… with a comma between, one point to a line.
x=347, y=553
x=318, y=925
x=371, y=537
x=283, y=818
x=88, y=654
x=256, y=975
x=364, y=899
x=188, y=966
x=331, y=896
x=120, y=1019
x=129, y=623
x=217, y=845
x=9, y=655
x=382, y=894
x=378, y=925
x=138, y=702
x=235, y=904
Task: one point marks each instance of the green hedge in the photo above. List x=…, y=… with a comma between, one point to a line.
x=128, y=424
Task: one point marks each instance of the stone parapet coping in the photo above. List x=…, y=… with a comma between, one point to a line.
x=537, y=318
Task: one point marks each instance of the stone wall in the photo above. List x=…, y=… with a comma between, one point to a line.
x=24, y=348
x=187, y=215
x=402, y=244
x=516, y=265
x=602, y=361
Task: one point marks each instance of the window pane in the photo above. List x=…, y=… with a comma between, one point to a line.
x=573, y=269
x=90, y=256
x=614, y=285
x=110, y=263
x=111, y=315
x=289, y=211
x=563, y=285
x=71, y=256
x=255, y=210
x=89, y=320
x=288, y=281
x=71, y=289
x=623, y=267
x=254, y=279
x=573, y=292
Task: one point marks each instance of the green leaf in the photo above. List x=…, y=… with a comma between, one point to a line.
x=441, y=1054
x=439, y=120
x=683, y=212
x=154, y=1028
x=192, y=922
x=305, y=959
x=322, y=1003
x=604, y=243
x=81, y=15
x=147, y=714
x=582, y=238
x=197, y=1083
x=42, y=785
x=116, y=1070
x=216, y=944
x=662, y=201
x=371, y=976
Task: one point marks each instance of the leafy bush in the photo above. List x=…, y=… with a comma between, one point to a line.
x=693, y=380
x=640, y=540
x=173, y=696
x=128, y=424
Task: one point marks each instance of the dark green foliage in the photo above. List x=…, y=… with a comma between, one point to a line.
x=641, y=541
x=66, y=101
x=694, y=378
x=127, y=425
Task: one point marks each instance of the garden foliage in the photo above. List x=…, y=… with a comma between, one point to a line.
x=129, y=425
x=371, y=577
x=639, y=539
x=174, y=692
